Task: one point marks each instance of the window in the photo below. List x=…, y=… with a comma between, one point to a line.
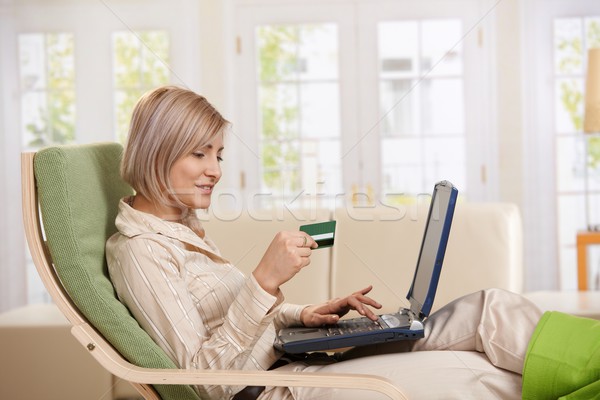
x=140, y=63
x=371, y=102
x=298, y=95
x=573, y=36
x=47, y=72
x=69, y=74
x=555, y=51
x=422, y=104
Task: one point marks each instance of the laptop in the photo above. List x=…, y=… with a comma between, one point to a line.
x=407, y=323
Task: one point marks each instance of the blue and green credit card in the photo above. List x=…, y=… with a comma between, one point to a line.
x=322, y=232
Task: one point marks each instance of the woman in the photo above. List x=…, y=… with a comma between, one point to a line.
x=204, y=312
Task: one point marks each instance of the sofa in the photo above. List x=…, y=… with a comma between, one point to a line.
x=374, y=245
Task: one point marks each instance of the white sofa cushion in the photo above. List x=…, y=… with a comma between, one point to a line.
x=431, y=375
x=380, y=246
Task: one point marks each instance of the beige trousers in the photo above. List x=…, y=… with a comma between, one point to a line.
x=485, y=329
x=492, y=321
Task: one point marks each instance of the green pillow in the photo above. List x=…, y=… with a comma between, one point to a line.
x=563, y=358
x=79, y=188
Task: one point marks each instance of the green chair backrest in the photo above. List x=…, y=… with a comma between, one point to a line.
x=79, y=188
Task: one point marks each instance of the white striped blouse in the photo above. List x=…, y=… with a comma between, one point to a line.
x=201, y=310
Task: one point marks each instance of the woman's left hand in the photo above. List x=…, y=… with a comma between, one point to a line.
x=331, y=311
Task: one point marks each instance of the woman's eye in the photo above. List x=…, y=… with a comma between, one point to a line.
x=220, y=158
x=199, y=155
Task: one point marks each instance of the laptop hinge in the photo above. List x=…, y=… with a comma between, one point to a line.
x=415, y=322
x=415, y=308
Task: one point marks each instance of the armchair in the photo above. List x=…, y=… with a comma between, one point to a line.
x=70, y=198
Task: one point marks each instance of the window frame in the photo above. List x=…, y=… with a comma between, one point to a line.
x=540, y=209
x=245, y=108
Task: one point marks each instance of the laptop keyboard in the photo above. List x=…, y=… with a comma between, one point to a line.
x=355, y=325
x=364, y=324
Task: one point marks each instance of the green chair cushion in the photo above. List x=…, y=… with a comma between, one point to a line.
x=79, y=188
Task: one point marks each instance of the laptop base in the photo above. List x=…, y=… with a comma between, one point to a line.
x=349, y=333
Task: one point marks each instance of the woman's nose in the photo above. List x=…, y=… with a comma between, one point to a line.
x=214, y=169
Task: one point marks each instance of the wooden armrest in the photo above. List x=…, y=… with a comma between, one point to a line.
x=115, y=364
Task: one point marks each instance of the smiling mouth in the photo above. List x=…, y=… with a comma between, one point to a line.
x=205, y=188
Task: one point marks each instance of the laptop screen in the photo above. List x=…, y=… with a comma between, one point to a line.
x=433, y=247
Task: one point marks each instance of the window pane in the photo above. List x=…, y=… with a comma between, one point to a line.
x=279, y=109
x=277, y=52
x=402, y=169
x=292, y=52
x=280, y=164
x=593, y=271
x=299, y=110
x=154, y=56
x=125, y=100
x=592, y=30
x=443, y=106
x=32, y=61
x=574, y=221
x=399, y=107
x=444, y=158
x=47, y=74
x=320, y=110
x=33, y=119
x=318, y=62
x=61, y=116
x=422, y=105
x=329, y=168
x=568, y=45
x=140, y=63
x=127, y=60
x=413, y=166
x=321, y=166
x=569, y=163
x=442, y=47
x=569, y=105
x=61, y=61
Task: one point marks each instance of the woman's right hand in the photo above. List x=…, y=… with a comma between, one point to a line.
x=287, y=254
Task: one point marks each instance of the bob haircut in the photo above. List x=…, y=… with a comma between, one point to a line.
x=167, y=123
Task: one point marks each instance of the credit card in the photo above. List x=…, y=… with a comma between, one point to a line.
x=322, y=232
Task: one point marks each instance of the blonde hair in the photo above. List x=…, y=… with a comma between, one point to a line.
x=167, y=124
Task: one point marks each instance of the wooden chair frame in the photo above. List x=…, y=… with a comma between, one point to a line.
x=143, y=378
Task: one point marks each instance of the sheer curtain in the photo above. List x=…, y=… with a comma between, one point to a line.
x=13, y=278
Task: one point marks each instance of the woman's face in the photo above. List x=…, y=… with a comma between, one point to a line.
x=194, y=177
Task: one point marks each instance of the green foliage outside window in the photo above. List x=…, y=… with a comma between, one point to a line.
x=278, y=63
x=52, y=83
x=140, y=64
